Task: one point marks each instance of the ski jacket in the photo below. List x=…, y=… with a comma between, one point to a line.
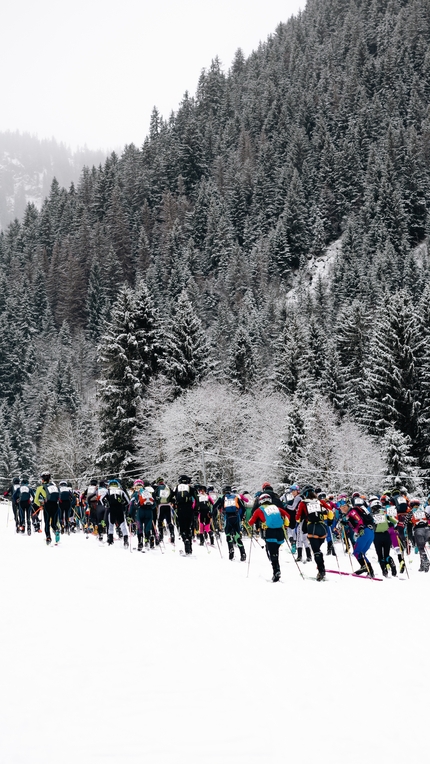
x=419, y=517
x=315, y=510
x=23, y=495
x=273, y=518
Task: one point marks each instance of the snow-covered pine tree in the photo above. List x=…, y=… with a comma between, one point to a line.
x=186, y=358
x=128, y=355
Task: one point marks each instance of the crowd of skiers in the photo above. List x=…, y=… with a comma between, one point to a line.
x=305, y=518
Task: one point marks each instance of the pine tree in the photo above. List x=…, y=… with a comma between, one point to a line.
x=187, y=352
x=243, y=366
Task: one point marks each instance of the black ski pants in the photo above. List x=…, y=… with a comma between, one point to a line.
x=50, y=514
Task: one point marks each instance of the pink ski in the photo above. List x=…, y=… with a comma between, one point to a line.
x=342, y=573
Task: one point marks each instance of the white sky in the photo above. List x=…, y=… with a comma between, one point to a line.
x=90, y=71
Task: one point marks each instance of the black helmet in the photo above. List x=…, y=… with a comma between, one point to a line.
x=307, y=490
x=184, y=479
x=226, y=489
x=15, y=481
x=25, y=478
x=93, y=481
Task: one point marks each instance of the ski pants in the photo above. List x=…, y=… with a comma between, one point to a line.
x=185, y=518
x=64, y=514
x=145, y=522
x=382, y=544
x=422, y=535
x=232, y=531
x=15, y=510
x=25, y=514
x=272, y=551
x=116, y=516
x=317, y=537
x=394, y=536
x=50, y=515
x=302, y=538
x=98, y=516
x=363, y=544
x=165, y=514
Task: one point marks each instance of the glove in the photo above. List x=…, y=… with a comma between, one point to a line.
x=286, y=522
x=361, y=532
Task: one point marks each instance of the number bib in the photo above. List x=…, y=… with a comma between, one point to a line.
x=381, y=517
x=391, y=512
x=313, y=506
x=419, y=515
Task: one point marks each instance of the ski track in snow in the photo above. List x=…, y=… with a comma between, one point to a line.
x=110, y=656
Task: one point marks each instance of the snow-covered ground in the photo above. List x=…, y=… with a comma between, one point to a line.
x=112, y=656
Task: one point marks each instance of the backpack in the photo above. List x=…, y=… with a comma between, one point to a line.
x=65, y=493
x=231, y=503
x=163, y=495
x=91, y=491
x=24, y=493
x=273, y=517
x=145, y=497
x=401, y=504
x=183, y=493
x=52, y=493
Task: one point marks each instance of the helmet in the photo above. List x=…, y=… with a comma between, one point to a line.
x=160, y=481
x=211, y=488
x=63, y=482
x=114, y=484
x=45, y=475
x=294, y=487
x=414, y=503
x=322, y=495
x=138, y=482
x=375, y=503
x=93, y=481
x=264, y=499
x=201, y=488
x=308, y=489
x=15, y=481
x=226, y=489
x=265, y=486
x=184, y=479
x=102, y=484
x=355, y=494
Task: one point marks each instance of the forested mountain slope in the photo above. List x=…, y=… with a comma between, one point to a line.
x=322, y=135
x=29, y=165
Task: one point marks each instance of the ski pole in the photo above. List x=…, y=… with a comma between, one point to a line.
x=347, y=548
x=156, y=536
x=250, y=550
x=289, y=546
x=216, y=537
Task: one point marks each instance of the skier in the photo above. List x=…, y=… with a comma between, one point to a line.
x=360, y=527
x=163, y=497
x=66, y=503
x=23, y=500
x=11, y=492
x=314, y=513
x=185, y=503
x=291, y=500
x=393, y=530
x=141, y=510
x=274, y=519
x=47, y=496
x=204, y=507
x=382, y=539
x=419, y=517
x=231, y=506
x=116, y=500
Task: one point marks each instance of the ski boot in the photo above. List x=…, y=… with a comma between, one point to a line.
x=172, y=538
x=231, y=553
x=330, y=548
x=242, y=554
x=57, y=536
x=211, y=538
x=126, y=542
x=151, y=542
x=29, y=530
x=101, y=538
x=321, y=574
x=384, y=569
x=392, y=565
x=202, y=540
x=139, y=543
x=293, y=547
x=188, y=546
x=48, y=540
x=110, y=539
x=308, y=555
x=299, y=554
x=276, y=576
x=120, y=533
x=402, y=564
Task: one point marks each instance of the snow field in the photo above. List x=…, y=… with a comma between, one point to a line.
x=112, y=656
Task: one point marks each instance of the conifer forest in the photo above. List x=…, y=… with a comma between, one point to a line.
x=246, y=295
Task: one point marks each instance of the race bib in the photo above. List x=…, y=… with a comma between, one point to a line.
x=183, y=488
x=380, y=518
x=419, y=514
x=230, y=502
x=391, y=512
x=203, y=497
x=271, y=510
x=164, y=493
x=313, y=506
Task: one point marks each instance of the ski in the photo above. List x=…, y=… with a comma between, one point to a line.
x=354, y=575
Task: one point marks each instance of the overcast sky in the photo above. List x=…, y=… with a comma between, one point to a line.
x=90, y=71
